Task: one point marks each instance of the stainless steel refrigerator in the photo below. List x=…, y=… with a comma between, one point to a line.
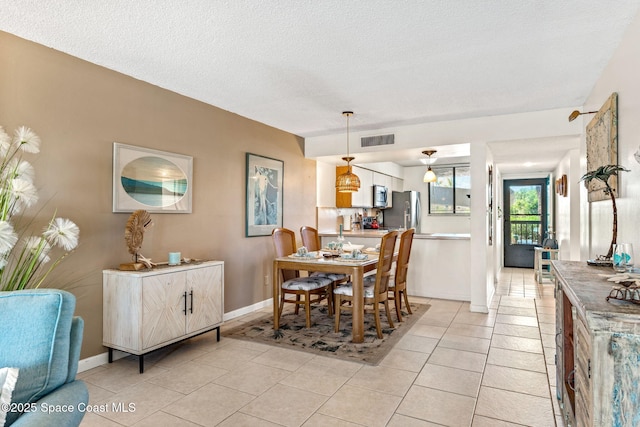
x=405, y=212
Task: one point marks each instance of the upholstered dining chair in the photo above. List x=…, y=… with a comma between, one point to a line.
x=376, y=292
x=398, y=288
x=311, y=241
x=284, y=242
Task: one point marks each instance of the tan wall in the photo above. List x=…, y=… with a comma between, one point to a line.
x=79, y=109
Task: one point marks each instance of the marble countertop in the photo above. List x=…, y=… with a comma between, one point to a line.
x=372, y=233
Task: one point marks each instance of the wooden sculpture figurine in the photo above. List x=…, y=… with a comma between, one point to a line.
x=133, y=236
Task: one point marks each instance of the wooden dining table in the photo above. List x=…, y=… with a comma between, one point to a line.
x=356, y=269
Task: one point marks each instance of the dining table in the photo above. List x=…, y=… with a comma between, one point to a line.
x=317, y=262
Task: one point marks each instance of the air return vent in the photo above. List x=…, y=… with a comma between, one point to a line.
x=372, y=141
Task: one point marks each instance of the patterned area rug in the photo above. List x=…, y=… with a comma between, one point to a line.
x=320, y=337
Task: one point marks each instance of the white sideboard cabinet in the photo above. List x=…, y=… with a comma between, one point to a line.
x=597, y=348
x=146, y=310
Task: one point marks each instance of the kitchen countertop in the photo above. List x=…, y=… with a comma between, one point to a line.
x=373, y=233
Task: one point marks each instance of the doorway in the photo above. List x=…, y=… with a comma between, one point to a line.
x=525, y=219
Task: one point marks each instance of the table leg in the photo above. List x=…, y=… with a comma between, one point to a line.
x=358, y=305
x=275, y=280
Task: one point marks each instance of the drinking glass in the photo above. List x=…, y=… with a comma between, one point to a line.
x=622, y=257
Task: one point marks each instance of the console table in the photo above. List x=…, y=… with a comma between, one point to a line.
x=597, y=344
x=149, y=309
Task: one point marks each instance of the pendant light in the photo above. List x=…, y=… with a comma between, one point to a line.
x=347, y=182
x=429, y=175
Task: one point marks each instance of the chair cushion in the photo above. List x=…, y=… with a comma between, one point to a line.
x=333, y=276
x=37, y=340
x=348, y=290
x=306, y=283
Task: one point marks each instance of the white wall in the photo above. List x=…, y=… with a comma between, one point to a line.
x=567, y=226
x=620, y=75
x=482, y=255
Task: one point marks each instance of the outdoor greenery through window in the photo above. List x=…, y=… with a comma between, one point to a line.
x=525, y=214
x=451, y=193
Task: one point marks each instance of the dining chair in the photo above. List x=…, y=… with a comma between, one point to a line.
x=376, y=292
x=284, y=242
x=311, y=240
x=398, y=288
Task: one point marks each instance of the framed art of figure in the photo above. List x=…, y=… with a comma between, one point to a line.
x=602, y=146
x=264, y=195
x=156, y=181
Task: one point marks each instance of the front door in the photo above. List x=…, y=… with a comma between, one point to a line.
x=525, y=219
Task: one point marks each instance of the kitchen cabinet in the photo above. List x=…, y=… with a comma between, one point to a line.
x=363, y=198
x=597, y=368
x=147, y=310
x=397, y=184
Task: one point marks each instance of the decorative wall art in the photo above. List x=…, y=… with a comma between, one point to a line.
x=561, y=186
x=156, y=181
x=264, y=195
x=602, y=146
x=490, y=207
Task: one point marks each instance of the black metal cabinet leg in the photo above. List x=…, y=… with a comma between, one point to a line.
x=141, y=363
x=218, y=333
x=110, y=355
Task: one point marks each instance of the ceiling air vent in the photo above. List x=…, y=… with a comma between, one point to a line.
x=372, y=141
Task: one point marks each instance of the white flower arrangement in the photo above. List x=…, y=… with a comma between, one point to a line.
x=24, y=258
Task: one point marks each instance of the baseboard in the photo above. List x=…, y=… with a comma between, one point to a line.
x=103, y=358
x=248, y=309
x=479, y=308
x=99, y=360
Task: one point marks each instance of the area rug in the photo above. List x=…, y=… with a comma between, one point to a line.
x=320, y=338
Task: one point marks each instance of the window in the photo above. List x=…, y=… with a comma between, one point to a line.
x=451, y=193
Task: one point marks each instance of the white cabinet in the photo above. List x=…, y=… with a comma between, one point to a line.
x=363, y=198
x=147, y=310
x=397, y=184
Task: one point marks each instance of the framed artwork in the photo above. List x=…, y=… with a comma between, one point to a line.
x=490, y=207
x=264, y=195
x=602, y=146
x=156, y=181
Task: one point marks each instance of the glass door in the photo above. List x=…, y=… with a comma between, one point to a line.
x=525, y=221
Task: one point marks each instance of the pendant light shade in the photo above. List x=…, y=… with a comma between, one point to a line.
x=347, y=182
x=429, y=175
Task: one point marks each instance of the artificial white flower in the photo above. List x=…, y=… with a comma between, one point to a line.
x=8, y=237
x=62, y=232
x=3, y=263
x=17, y=168
x=27, y=140
x=24, y=192
x=38, y=247
x=5, y=141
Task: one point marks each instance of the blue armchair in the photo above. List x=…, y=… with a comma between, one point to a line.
x=42, y=338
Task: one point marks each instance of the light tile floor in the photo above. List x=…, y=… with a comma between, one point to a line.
x=453, y=368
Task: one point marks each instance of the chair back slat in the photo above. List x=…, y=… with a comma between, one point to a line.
x=284, y=243
x=385, y=261
x=402, y=264
x=310, y=238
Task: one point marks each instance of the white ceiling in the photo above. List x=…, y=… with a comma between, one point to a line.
x=296, y=64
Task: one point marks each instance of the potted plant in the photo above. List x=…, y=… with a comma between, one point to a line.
x=603, y=173
x=26, y=259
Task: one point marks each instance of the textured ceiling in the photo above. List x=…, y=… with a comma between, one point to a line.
x=296, y=64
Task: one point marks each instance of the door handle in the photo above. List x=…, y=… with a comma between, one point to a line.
x=191, y=295
x=185, y=303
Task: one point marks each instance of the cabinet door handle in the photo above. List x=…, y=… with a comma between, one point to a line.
x=185, y=303
x=191, y=295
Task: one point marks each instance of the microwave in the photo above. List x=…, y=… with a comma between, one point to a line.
x=380, y=196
